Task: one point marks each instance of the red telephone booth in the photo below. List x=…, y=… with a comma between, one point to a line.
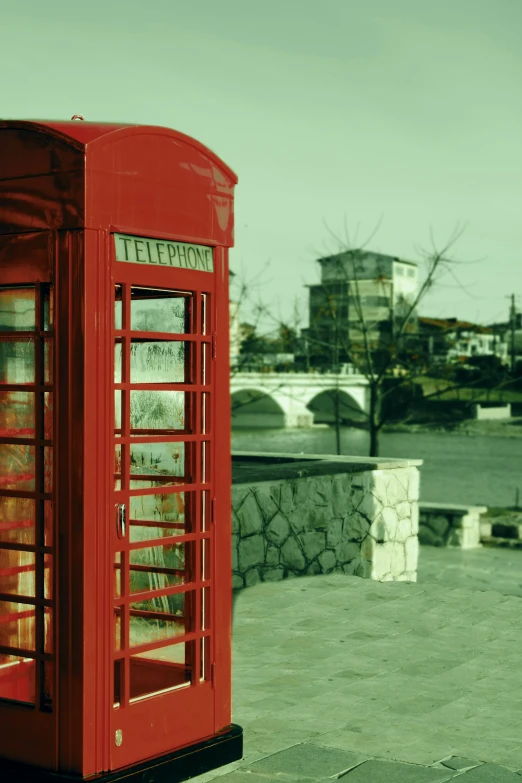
x=115, y=556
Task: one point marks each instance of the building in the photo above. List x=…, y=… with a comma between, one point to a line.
x=447, y=340
x=361, y=297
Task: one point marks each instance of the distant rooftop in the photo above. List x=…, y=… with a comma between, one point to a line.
x=365, y=254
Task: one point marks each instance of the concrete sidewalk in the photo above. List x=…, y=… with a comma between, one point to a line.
x=336, y=673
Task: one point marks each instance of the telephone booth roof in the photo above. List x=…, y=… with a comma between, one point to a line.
x=141, y=178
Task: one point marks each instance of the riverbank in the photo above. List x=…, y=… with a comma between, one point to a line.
x=503, y=428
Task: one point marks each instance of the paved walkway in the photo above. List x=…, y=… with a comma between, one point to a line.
x=336, y=673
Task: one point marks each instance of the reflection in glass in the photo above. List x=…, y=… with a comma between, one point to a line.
x=17, y=361
x=48, y=361
x=117, y=411
x=117, y=574
x=155, y=310
x=17, y=520
x=157, y=410
x=117, y=466
x=118, y=307
x=48, y=630
x=156, y=463
x=117, y=361
x=160, y=670
x=17, y=681
x=48, y=415
x=17, y=309
x=47, y=306
x=204, y=671
x=160, y=516
x=17, y=572
x=158, y=362
x=48, y=468
x=16, y=414
x=157, y=618
x=17, y=467
x=155, y=568
x=18, y=628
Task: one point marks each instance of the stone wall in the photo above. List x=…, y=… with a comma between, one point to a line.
x=360, y=519
x=443, y=524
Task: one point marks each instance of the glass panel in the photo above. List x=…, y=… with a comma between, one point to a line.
x=48, y=630
x=17, y=520
x=159, y=567
x=118, y=307
x=205, y=457
x=205, y=510
x=16, y=414
x=119, y=682
x=118, y=612
x=155, y=310
x=117, y=411
x=117, y=466
x=48, y=576
x=47, y=306
x=204, y=311
x=48, y=361
x=205, y=608
x=157, y=410
x=17, y=361
x=47, y=512
x=160, y=670
x=118, y=347
x=205, y=363
x=17, y=573
x=17, y=467
x=204, y=671
x=205, y=559
x=205, y=413
x=17, y=678
x=158, y=618
x=117, y=574
x=160, y=516
x=48, y=416
x=17, y=625
x=17, y=309
x=48, y=468
x=153, y=464
x=159, y=362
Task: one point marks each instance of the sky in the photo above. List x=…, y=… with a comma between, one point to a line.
x=381, y=123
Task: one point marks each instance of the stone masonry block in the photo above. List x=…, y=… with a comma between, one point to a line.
x=368, y=507
x=355, y=527
x=273, y=574
x=252, y=577
x=404, y=528
x=235, y=540
x=251, y=552
x=398, y=560
x=347, y=550
x=316, y=518
x=237, y=582
x=413, y=483
x=286, y=498
x=278, y=529
x=334, y=531
x=273, y=555
x=313, y=543
x=313, y=568
x=368, y=548
x=292, y=555
x=266, y=503
x=250, y=517
x=414, y=517
x=339, y=499
x=327, y=560
x=391, y=522
x=397, y=489
x=381, y=561
x=378, y=529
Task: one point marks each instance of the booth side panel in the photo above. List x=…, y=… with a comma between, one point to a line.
x=96, y=492
x=223, y=482
x=70, y=406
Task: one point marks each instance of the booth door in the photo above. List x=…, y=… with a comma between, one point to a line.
x=161, y=515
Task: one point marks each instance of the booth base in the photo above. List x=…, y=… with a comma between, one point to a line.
x=172, y=767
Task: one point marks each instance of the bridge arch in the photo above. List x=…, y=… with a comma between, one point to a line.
x=323, y=406
x=252, y=408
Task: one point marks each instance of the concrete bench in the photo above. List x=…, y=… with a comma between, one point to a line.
x=449, y=524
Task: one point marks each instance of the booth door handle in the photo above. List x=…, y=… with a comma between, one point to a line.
x=121, y=520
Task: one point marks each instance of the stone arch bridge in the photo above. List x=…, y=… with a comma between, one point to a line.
x=296, y=399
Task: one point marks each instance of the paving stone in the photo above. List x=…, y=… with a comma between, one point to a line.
x=458, y=763
x=488, y=773
x=310, y=761
x=376, y=771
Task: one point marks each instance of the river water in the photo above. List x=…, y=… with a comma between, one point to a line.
x=457, y=468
